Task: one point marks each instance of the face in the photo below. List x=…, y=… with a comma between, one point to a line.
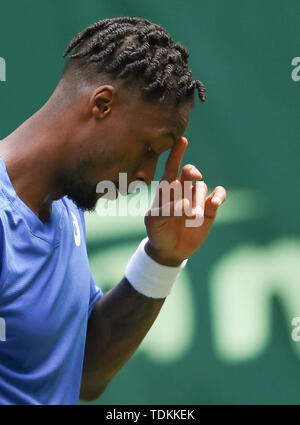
x=124, y=134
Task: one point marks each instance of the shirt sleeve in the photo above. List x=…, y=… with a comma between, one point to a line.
x=3, y=268
x=95, y=294
x=95, y=291
x=1, y=248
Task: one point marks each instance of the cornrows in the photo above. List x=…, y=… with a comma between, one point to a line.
x=138, y=50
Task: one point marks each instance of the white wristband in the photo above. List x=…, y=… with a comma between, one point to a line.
x=149, y=277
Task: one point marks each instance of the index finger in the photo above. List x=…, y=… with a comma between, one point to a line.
x=173, y=162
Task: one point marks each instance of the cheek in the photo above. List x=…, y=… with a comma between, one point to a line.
x=129, y=157
x=119, y=162
x=126, y=156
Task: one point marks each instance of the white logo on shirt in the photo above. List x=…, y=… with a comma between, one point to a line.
x=2, y=329
x=76, y=230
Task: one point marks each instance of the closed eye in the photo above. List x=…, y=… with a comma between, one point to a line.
x=150, y=151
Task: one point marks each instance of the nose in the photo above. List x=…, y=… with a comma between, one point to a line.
x=146, y=171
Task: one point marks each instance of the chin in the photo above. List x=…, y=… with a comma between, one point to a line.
x=86, y=203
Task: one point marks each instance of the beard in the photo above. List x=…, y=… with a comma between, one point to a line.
x=76, y=187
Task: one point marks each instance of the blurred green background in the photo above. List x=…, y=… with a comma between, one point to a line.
x=224, y=335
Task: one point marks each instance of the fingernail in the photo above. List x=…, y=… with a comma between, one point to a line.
x=196, y=171
x=216, y=200
x=198, y=210
x=178, y=208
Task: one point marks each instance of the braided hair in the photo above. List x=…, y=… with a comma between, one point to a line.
x=137, y=51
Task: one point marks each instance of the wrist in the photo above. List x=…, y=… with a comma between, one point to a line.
x=149, y=277
x=161, y=258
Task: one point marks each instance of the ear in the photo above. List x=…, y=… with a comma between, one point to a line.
x=102, y=100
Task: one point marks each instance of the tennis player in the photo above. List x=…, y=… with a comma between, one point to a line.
x=124, y=97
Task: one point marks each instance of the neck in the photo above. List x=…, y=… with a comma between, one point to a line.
x=33, y=155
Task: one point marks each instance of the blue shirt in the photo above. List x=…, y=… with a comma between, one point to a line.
x=46, y=296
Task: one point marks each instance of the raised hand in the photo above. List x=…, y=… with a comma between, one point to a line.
x=177, y=235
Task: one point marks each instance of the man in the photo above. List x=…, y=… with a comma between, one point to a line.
x=124, y=98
